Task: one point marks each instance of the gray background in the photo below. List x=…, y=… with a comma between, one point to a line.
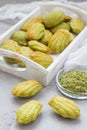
x=48, y=120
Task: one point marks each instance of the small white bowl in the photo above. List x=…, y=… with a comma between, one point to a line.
x=66, y=92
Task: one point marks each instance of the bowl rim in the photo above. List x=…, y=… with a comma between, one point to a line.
x=66, y=92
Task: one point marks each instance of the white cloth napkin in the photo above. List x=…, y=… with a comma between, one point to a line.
x=19, y=11
x=12, y=13
x=77, y=59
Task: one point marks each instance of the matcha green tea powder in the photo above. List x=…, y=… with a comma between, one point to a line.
x=75, y=81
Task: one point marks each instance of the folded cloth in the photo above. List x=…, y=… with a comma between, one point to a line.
x=19, y=11
x=12, y=13
x=77, y=59
x=16, y=11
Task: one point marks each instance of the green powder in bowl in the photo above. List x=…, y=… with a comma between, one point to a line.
x=74, y=81
x=72, y=84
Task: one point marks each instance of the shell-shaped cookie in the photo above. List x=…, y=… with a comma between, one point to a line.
x=30, y=21
x=59, y=40
x=45, y=39
x=37, y=46
x=27, y=88
x=62, y=25
x=71, y=37
x=20, y=37
x=67, y=18
x=41, y=58
x=76, y=25
x=64, y=107
x=10, y=45
x=11, y=60
x=35, y=31
x=53, y=18
x=25, y=51
x=28, y=112
x=21, y=64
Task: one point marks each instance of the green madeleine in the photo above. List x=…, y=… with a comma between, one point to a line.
x=53, y=18
x=20, y=37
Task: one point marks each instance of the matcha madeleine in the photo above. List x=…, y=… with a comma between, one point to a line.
x=67, y=18
x=25, y=51
x=60, y=40
x=10, y=45
x=11, y=60
x=31, y=21
x=20, y=37
x=53, y=18
x=28, y=112
x=35, y=31
x=76, y=25
x=41, y=58
x=37, y=46
x=64, y=107
x=27, y=88
x=45, y=39
x=62, y=25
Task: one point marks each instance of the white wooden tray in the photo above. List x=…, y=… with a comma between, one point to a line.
x=34, y=70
